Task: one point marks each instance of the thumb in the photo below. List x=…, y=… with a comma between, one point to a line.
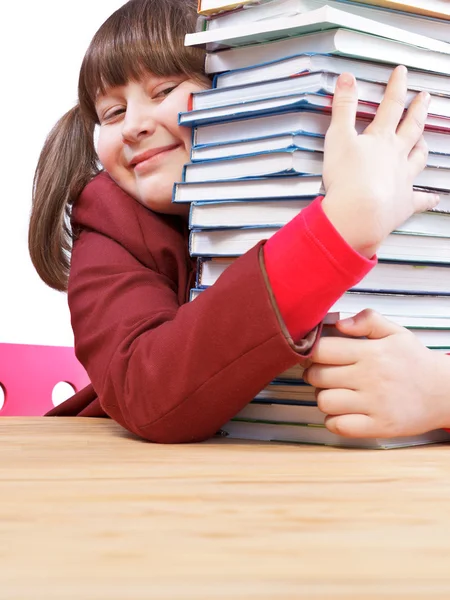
x=369, y=324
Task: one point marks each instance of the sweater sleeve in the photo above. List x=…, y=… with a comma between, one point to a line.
x=309, y=266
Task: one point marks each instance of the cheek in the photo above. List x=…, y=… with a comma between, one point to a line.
x=106, y=148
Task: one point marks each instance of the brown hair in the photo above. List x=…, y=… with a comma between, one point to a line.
x=140, y=37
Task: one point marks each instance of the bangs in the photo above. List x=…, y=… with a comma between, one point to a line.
x=143, y=36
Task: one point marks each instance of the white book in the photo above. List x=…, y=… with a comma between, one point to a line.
x=299, y=141
x=288, y=162
x=315, y=434
x=315, y=20
x=343, y=42
x=304, y=63
x=307, y=101
x=267, y=213
x=384, y=277
x=410, y=307
x=396, y=247
x=300, y=122
x=267, y=144
x=433, y=28
x=434, y=338
x=319, y=82
x=276, y=213
x=270, y=187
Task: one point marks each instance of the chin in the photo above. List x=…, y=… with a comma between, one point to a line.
x=157, y=196
x=163, y=204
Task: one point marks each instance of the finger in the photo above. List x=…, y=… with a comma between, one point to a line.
x=337, y=351
x=340, y=402
x=392, y=105
x=330, y=376
x=343, y=110
x=354, y=425
x=423, y=201
x=370, y=324
x=411, y=128
x=417, y=159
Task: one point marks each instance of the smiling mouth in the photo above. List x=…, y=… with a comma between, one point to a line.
x=147, y=163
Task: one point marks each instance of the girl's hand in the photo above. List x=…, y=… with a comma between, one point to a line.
x=369, y=178
x=385, y=386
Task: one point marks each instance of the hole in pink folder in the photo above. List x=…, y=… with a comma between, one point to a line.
x=29, y=374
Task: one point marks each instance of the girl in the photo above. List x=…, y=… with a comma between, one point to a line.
x=168, y=370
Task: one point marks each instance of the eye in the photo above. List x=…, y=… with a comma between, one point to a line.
x=112, y=114
x=166, y=91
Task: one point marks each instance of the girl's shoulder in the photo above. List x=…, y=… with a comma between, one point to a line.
x=104, y=208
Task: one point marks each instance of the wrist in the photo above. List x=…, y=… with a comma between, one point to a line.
x=358, y=230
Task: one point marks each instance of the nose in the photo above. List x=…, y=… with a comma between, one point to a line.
x=138, y=122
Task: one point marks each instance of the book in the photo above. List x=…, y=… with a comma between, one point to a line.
x=438, y=337
x=413, y=322
x=261, y=164
x=345, y=42
x=295, y=122
x=294, y=392
x=389, y=277
x=268, y=213
x=270, y=187
x=397, y=246
x=318, y=82
x=312, y=63
x=311, y=102
x=314, y=20
x=206, y=7
x=419, y=311
x=281, y=413
x=276, y=213
x=289, y=142
x=264, y=188
x=302, y=141
x=301, y=433
x=289, y=162
x=431, y=27
x=429, y=8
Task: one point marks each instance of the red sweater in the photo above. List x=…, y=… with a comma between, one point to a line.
x=175, y=371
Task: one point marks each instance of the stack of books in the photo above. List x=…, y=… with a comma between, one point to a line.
x=257, y=153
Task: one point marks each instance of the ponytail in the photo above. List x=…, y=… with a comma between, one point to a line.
x=66, y=164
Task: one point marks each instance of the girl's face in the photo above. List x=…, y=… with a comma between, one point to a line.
x=140, y=143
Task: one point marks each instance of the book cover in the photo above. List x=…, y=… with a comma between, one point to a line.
x=309, y=22
x=315, y=434
x=343, y=42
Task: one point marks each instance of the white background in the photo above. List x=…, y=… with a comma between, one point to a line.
x=41, y=48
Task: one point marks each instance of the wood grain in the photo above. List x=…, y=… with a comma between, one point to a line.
x=87, y=511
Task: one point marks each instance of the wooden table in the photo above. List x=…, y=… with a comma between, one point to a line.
x=87, y=512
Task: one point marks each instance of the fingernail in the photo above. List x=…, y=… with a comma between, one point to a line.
x=403, y=70
x=346, y=80
x=426, y=98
